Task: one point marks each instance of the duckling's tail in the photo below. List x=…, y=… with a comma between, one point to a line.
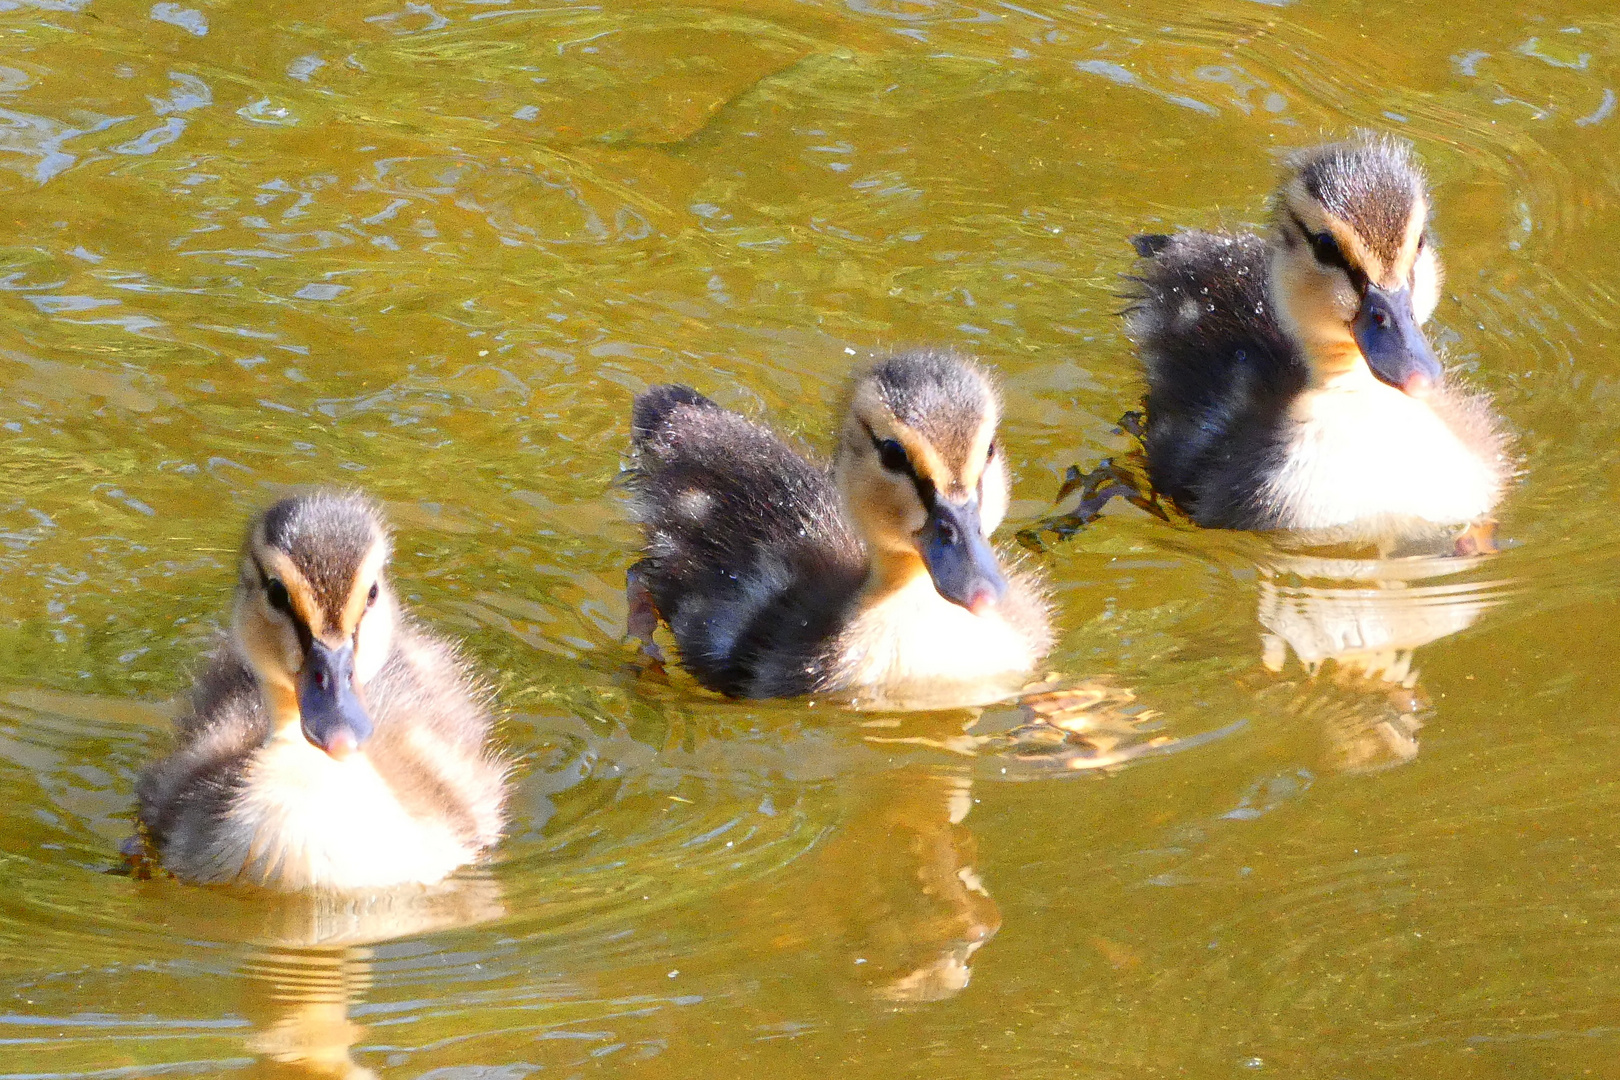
x=652, y=409
x=1148, y=245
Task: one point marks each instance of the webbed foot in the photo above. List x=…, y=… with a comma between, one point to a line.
x=1478, y=539
x=139, y=860
x=1124, y=478
x=641, y=623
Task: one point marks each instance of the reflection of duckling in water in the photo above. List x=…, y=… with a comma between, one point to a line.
x=304, y=997
x=903, y=890
x=779, y=579
x=1290, y=385
x=311, y=956
x=898, y=880
x=333, y=744
x=1361, y=632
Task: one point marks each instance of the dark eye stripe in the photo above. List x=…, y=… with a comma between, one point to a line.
x=886, y=450
x=1327, y=253
x=276, y=593
x=274, y=590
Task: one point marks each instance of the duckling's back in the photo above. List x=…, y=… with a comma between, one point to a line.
x=1220, y=373
x=748, y=557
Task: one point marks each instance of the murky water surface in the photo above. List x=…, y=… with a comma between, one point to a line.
x=1363, y=816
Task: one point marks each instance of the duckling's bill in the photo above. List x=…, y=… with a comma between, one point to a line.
x=1397, y=352
x=330, y=710
x=959, y=557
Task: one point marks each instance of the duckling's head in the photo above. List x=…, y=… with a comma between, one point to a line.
x=1354, y=274
x=923, y=476
x=314, y=614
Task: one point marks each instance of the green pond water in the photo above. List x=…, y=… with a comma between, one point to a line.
x=1361, y=820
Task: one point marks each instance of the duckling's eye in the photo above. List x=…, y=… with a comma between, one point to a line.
x=1326, y=250
x=893, y=455
x=371, y=597
x=276, y=593
x=990, y=455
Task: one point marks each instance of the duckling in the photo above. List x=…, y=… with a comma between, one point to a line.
x=332, y=744
x=779, y=577
x=1290, y=384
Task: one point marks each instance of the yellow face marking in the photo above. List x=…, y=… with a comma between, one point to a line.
x=958, y=486
x=979, y=455
x=925, y=460
x=875, y=416
x=1300, y=205
x=1308, y=212
x=1409, y=244
x=277, y=565
x=1356, y=253
x=1310, y=305
x=369, y=574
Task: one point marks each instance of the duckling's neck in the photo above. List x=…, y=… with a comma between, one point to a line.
x=891, y=572
x=906, y=635
x=281, y=702
x=1336, y=362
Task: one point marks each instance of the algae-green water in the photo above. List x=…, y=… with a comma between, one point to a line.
x=432, y=249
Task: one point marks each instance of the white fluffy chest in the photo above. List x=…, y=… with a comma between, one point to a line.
x=914, y=635
x=305, y=820
x=1371, y=453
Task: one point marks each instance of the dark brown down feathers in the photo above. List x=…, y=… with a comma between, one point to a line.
x=326, y=535
x=1372, y=185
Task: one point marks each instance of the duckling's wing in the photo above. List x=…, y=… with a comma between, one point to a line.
x=432, y=739
x=748, y=557
x=1220, y=372
x=182, y=798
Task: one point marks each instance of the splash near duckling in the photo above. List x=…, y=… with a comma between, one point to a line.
x=780, y=577
x=331, y=744
x=1290, y=384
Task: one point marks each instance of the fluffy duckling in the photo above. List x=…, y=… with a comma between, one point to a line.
x=331, y=744
x=1290, y=385
x=779, y=578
